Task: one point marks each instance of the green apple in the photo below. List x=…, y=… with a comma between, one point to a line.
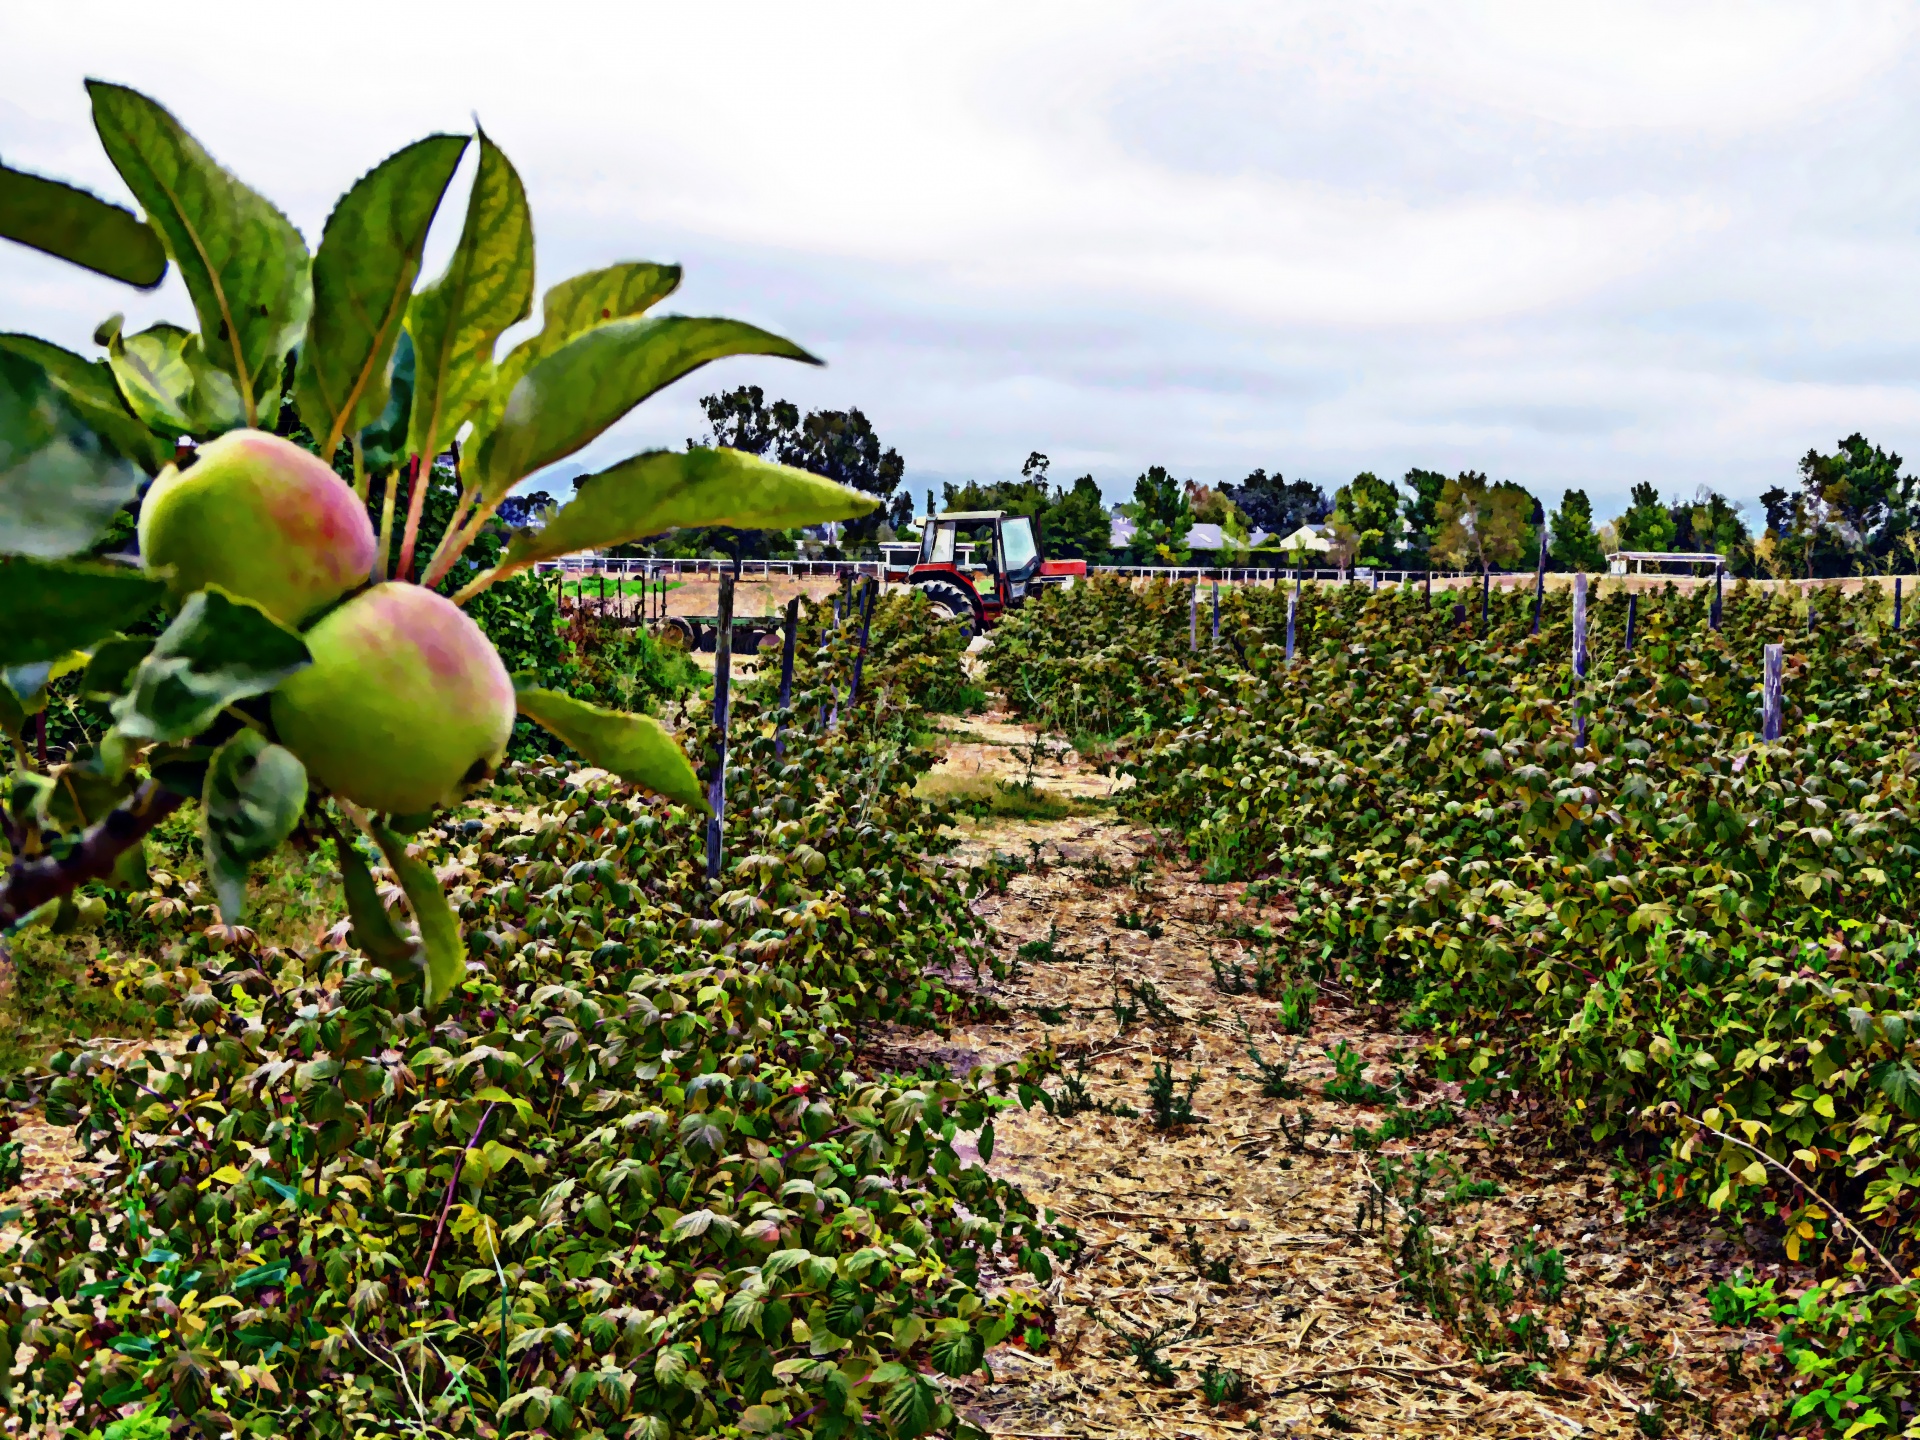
x=261, y=518
x=406, y=703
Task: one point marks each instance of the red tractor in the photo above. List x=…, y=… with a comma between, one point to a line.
x=950, y=572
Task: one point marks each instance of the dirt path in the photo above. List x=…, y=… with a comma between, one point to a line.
x=1305, y=1299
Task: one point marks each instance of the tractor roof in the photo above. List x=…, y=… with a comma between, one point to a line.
x=974, y=515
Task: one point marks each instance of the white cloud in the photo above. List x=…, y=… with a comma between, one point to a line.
x=1570, y=245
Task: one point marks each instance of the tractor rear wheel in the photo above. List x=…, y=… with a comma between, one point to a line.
x=949, y=599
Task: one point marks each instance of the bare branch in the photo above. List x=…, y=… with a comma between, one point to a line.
x=31, y=883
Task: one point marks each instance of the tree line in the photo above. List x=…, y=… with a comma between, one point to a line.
x=1851, y=512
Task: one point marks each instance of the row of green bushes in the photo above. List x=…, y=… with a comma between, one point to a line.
x=633, y=1180
x=1697, y=947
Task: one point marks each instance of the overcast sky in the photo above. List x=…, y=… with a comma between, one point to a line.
x=1570, y=245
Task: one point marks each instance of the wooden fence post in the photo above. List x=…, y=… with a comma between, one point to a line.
x=1486, y=589
x=722, y=668
x=1426, y=586
x=1633, y=606
x=792, y=634
x=1293, y=605
x=1713, y=614
x=1770, y=698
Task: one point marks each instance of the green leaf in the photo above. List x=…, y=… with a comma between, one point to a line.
x=911, y=1405
x=846, y=1308
x=571, y=396
x=670, y=1367
x=172, y=386
x=59, y=484
x=634, y=747
x=456, y=321
x=111, y=665
x=670, y=489
x=1900, y=1083
x=50, y=607
x=573, y=307
x=956, y=1354
x=88, y=386
x=742, y=1311
x=13, y=715
x=218, y=649
x=255, y=793
x=74, y=225
x=373, y=928
x=384, y=442
x=244, y=264
x=363, y=276
x=446, y=952
x=80, y=792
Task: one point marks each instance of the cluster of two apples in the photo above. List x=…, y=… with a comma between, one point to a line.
x=406, y=702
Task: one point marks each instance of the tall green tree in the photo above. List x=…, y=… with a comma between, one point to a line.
x=742, y=419
x=838, y=444
x=1647, y=524
x=1077, y=525
x=1277, y=505
x=841, y=445
x=1074, y=523
x=1484, y=526
x=1853, y=511
x=1419, y=508
x=1573, y=544
x=1366, y=518
x=1710, y=522
x=1161, y=519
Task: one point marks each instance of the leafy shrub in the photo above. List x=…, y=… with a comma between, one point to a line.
x=1670, y=933
x=627, y=1178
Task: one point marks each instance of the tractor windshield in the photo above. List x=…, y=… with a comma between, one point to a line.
x=1017, y=550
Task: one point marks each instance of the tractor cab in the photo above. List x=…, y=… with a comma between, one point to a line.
x=978, y=564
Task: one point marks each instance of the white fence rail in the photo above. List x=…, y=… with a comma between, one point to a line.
x=767, y=569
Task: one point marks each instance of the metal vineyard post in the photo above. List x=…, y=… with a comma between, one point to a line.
x=722, y=665
x=1770, y=696
x=792, y=633
x=860, y=655
x=1540, y=582
x=1293, y=604
x=1579, y=656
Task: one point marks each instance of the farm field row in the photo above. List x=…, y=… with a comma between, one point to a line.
x=1691, y=949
